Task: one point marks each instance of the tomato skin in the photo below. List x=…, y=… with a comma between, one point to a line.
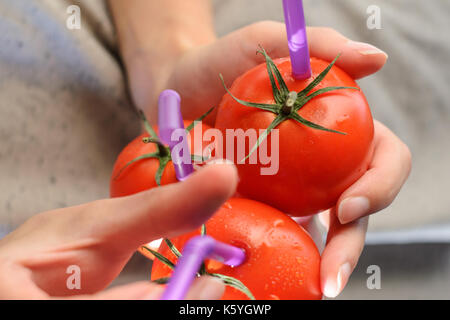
x=315, y=166
x=282, y=261
x=140, y=175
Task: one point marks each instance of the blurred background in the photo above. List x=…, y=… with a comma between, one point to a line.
x=409, y=241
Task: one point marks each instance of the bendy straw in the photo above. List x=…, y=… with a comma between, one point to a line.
x=297, y=40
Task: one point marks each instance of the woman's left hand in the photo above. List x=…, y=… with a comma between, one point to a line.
x=78, y=251
x=347, y=222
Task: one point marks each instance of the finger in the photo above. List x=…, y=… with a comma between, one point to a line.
x=357, y=59
x=143, y=290
x=203, y=288
x=125, y=223
x=379, y=186
x=206, y=288
x=16, y=283
x=340, y=256
x=235, y=53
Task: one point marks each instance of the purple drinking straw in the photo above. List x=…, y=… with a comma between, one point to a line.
x=194, y=252
x=170, y=120
x=201, y=247
x=297, y=40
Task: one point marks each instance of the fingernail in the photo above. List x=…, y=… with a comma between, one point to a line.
x=353, y=208
x=332, y=287
x=223, y=162
x=365, y=48
x=210, y=289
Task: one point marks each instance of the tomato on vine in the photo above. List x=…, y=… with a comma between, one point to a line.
x=282, y=261
x=146, y=162
x=325, y=133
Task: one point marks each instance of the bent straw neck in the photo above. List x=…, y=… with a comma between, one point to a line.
x=170, y=122
x=195, y=251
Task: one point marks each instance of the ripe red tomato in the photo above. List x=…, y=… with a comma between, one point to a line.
x=140, y=175
x=315, y=166
x=282, y=261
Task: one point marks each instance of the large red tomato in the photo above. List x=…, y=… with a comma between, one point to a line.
x=282, y=261
x=140, y=175
x=315, y=166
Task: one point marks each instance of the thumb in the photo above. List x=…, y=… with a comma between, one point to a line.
x=203, y=288
x=126, y=223
x=358, y=59
x=235, y=53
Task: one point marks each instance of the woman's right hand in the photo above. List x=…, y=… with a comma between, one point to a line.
x=98, y=239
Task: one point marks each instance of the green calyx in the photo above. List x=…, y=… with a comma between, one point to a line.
x=287, y=103
x=229, y=281
x=163, y=153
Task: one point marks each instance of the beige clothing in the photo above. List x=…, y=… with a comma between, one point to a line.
x=64, y=110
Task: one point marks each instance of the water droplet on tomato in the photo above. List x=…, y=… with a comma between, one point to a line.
x=342, y=118
x=278, y=223
x=269, y=238
x=227, y=205
x=296, y=245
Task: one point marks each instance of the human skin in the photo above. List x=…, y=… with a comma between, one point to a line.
x=177, y=48
x=100, y=237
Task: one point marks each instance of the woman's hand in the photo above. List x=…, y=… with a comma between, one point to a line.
x=346, y=224
x=195, y=72
x=101, y=236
